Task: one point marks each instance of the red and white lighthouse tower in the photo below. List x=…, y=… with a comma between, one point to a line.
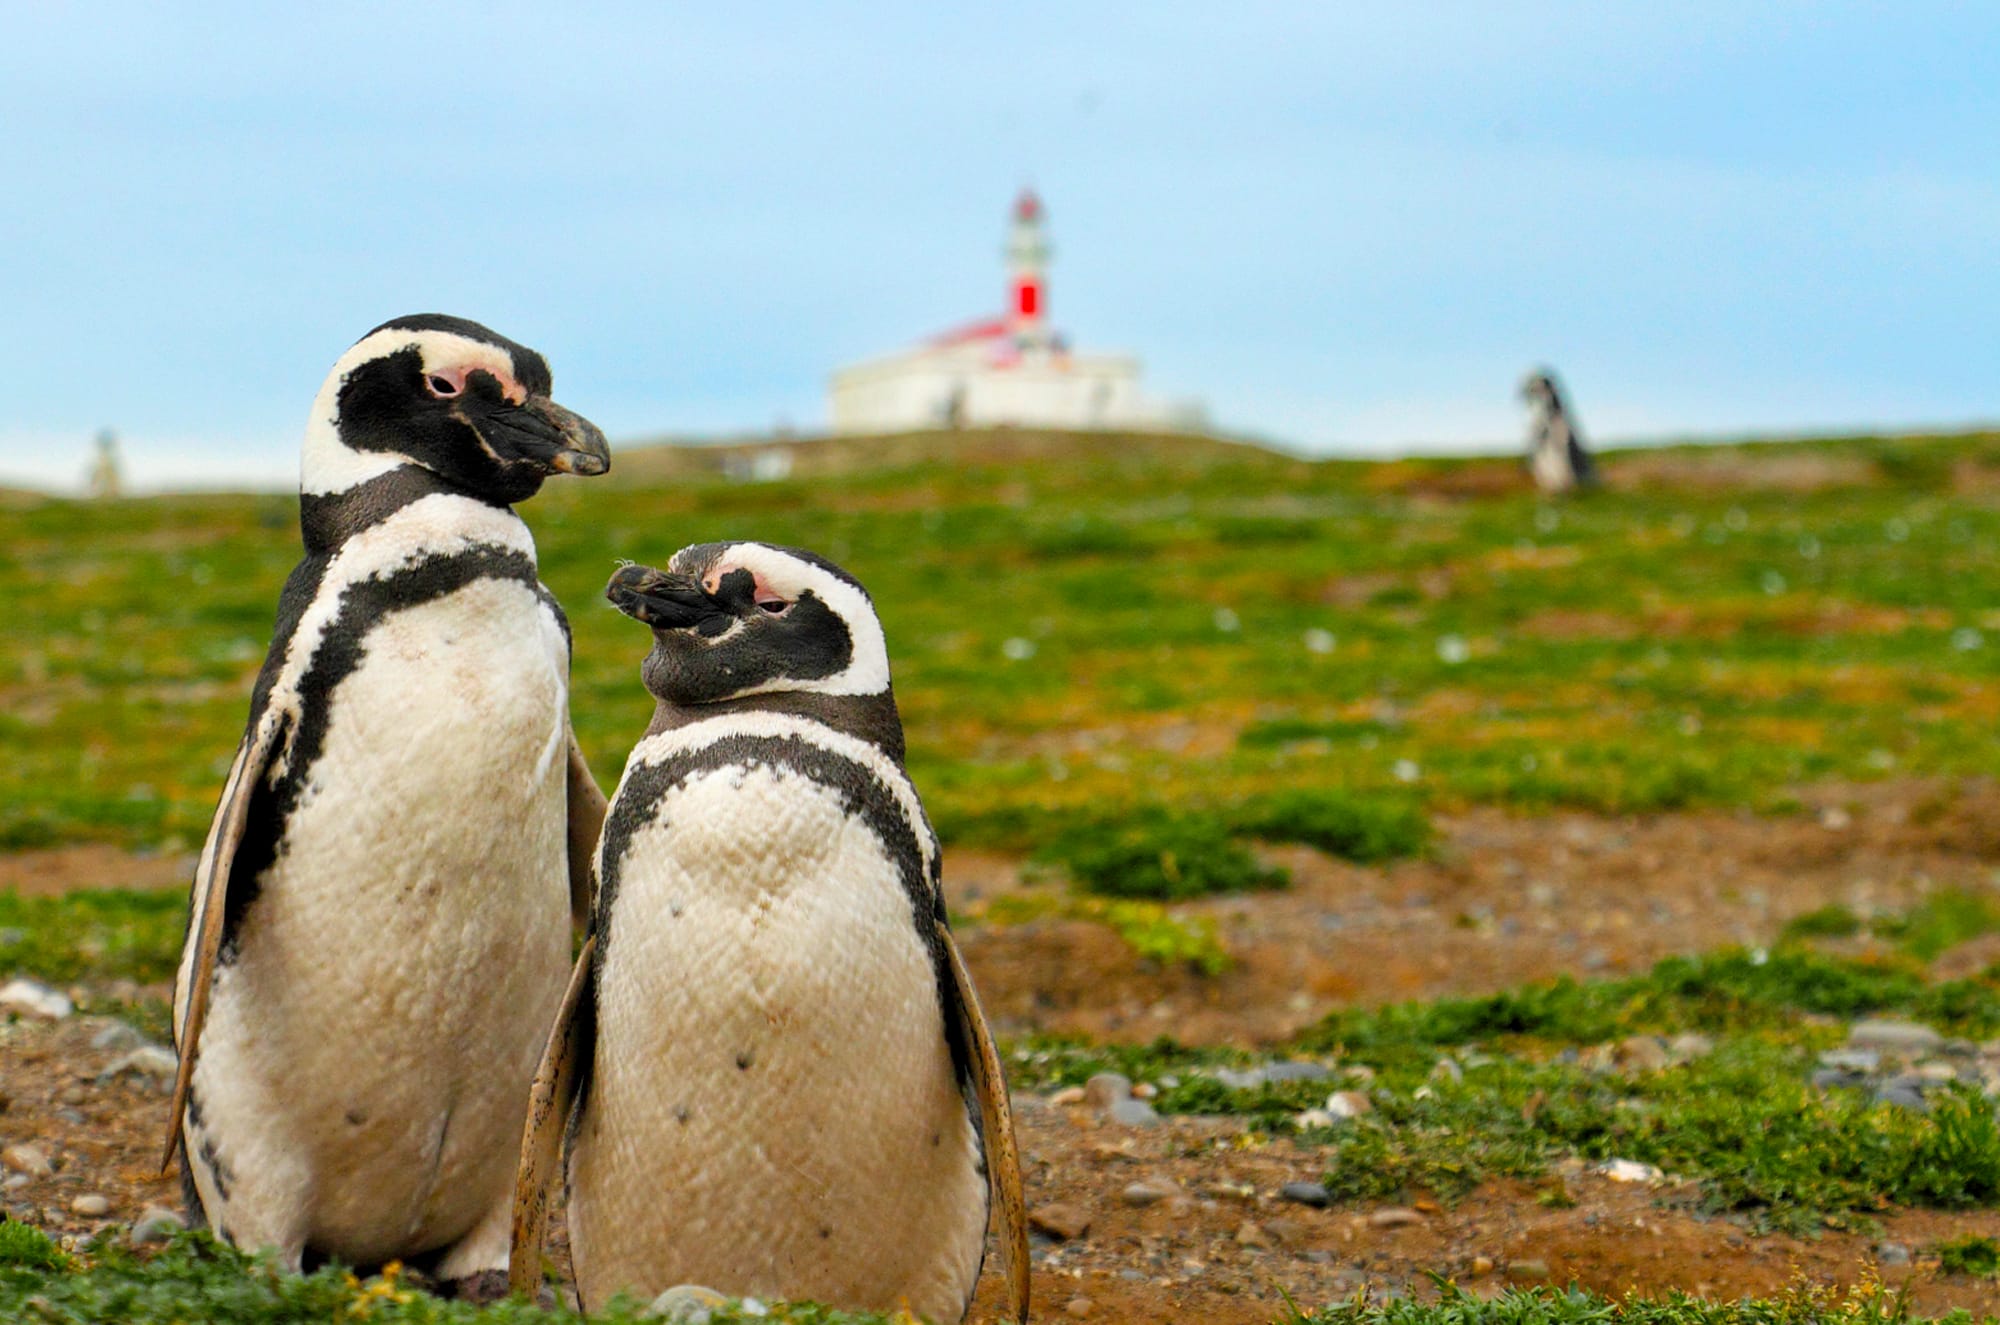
x=1027, y=262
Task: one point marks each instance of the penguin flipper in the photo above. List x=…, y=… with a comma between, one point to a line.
x=586, y=820
x=209, y=901
x=996, y=1116
x=566, y=1063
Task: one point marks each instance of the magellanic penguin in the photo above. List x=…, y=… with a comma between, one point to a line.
x=770, y=1062
x=379, y=930
x=1557, y=457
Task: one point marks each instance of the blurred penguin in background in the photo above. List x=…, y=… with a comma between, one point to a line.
x=1556, y=457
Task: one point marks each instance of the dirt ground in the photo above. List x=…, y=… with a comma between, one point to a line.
x=1506, y=899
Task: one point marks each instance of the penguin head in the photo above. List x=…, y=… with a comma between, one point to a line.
x=451, y=397
x=737, y=619
x=1539, y=389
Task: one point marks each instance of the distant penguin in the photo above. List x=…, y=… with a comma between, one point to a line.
x=1556, y=455
x=770, y=1061
x=380, y=924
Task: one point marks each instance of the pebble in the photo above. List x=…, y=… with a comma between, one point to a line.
x=1313, y=1118
x=1313, y=1194
x=684, y=1304
x=1642, y=1053
x=1146, y=1193
x=1286, y=1232
x=1904, y=1093
x=1252, y=1234
x=27, y=1158
x=1064, y=1223
x=1293, y=1069
x=1078, y=1306
x=1144, y=1090
x=1447, y=1070
x=1852, y=1060
x=1067, y=1096
x=1892, y=1253
x=15, y=1182
x=1395, y=1216
x=1349, y=1104
x=1528, y=1271
x=1481, y=1267
x=1904, y=1037
x=147, y=1061
x=1106, y=1089
x=1628, y=1170
x=91, y=1205
x=115, y=1036
x=1689, y=1046
x=155, y=1224
x=35, y=998
x=1133, y=1113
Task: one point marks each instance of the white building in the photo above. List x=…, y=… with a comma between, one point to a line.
x=1013, y=369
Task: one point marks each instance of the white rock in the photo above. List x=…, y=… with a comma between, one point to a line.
x=1628, y=1170
x=91, y=1205
x=27, y=1158
x=35, y=998
x=149, y=1061
x=1349, y=1104
x=688, y=1304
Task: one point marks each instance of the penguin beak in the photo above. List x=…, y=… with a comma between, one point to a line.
x=661, y=600
x=582, y=448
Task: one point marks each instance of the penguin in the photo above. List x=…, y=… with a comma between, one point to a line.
x=770, y=1066
x=380, y=922
x=1556, y=459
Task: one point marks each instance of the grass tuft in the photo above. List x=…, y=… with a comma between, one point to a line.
x=1363, y=829
x=1160, y=856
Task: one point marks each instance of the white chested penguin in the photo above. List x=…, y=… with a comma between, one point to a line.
x=770, y=1063
x=379, y=931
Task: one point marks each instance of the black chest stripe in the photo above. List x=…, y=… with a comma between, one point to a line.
x=863, y=795
x=342, y=647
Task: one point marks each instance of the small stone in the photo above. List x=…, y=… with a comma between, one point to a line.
x=1349, y=1104
x=1313, y=1194
x=1395, y=1216
x=1064, y=1223
x=1447, y=1070
x=149, y=1061
x=1852, y=1060
x=1067, y=1096
x=1313, y=1118
x=1935, y=1073
x=1628, y=1170
x=27, y=1158
x=1133, y=1113
x=1892, y=1253
x=685, y=1304
x=1481, y=1267
x=1145, y=1193
x=1295, y=1070
x=751, y=1306
x=1286, y=1232
x=1901, y=1037
x=1641, y=1053
x=116, y=1037
x=1144, y=1090
x=14, y=1182
x=1106, y=1089
x=91, y=1205
x=1904, y=1093
x=1689, y=1046
x=1078, y=1306
x=1527, y=1272
x=155, y=1224
x=35, y=999
x=1252, y=1234
x=1240, y=1079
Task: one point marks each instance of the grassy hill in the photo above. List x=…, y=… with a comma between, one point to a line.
x=1090, y=625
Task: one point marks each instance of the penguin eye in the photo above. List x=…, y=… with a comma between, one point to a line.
x=442, y=386
x=774, y=606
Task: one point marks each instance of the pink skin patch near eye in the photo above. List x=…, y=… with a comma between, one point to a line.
x=450, y=381
x=766, y=597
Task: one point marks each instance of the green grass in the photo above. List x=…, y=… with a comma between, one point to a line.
x=1158, y=855
x=1971, y=1255
x=1743, y=1121
x=1867, y=1304
x=106, y=934
x=1680, y=643
x=196, y=1278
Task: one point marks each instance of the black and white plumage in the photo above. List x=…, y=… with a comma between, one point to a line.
x=771, y=1064
x=1556, y=456
x=379, y=927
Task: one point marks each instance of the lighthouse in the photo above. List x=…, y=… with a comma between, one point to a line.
x=1028, y=264
x=1009, y=370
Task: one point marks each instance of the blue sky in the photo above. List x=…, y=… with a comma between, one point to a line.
x=1349, y=228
